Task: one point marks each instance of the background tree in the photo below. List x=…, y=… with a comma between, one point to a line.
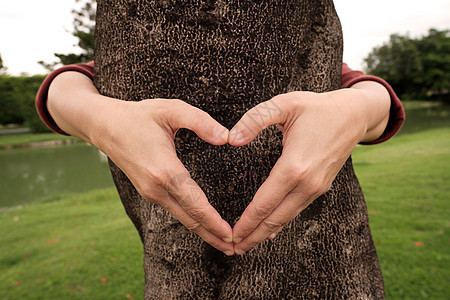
x=415, y=67
x=435, y=56
x=26, y=88
x=17, y=94
x=10, y=107
x=84, y=27
x=3, y=68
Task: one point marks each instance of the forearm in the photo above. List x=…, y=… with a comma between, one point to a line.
x=371, y=102
x=76, y=105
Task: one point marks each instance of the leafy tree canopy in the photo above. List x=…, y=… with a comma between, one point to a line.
x=17, y=94
x=415, y=67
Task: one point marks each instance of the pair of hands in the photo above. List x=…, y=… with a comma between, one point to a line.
x=320, y=130
x=319, y=133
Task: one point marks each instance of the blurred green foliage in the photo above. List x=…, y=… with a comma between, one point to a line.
x=17, y=93
x=17, y=98
x=417, y=68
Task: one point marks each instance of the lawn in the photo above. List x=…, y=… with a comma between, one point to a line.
x=406, y=182
x=84, y=246
x=79, y=247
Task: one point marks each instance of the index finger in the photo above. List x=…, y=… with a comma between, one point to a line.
x=267, y=198
x=183, y=115
x=178, y=212
x=193, y=200
x=256, y=119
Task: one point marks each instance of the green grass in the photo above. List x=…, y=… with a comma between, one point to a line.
x=25, y=139
x=406, y=182
x=61, y=249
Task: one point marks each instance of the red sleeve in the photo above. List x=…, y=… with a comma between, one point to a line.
x=396, y=114
x=41, y=97
x=349, y=77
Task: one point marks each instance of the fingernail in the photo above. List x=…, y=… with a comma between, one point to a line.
x=237, y=240
x=220, y=133
x=231, y=134
x=228, y=240
x=229, y=253
x=235, y=135
x=272, y=236
x=239, y=251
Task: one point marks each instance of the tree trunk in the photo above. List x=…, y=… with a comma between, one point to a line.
x=225, y=57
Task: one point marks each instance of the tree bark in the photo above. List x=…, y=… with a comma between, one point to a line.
x=225, y=57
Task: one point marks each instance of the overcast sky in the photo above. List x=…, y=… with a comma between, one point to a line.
x=32, y=30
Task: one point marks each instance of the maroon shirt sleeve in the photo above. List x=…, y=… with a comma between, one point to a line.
x=349, y=77
x=396, y=113
x=41, y=97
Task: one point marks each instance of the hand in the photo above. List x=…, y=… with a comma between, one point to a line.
x=320, y=132
x=139, y=138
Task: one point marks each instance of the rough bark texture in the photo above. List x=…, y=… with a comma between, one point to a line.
x=224, y=57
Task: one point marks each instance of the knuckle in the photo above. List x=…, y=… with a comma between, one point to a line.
x=153, y=194
x=159, y=176
x=159, y=106
x=146, y=192
x=195, y=227
x=261, y=211
x=197, y=213
x=314, y=186
x=272, y=225
x=297, y=173
x=287, y=100
x=175, y=182
x=280, y=99
x=198, y=118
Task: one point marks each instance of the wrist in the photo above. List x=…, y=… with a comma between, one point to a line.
x=377, y=103
x=351, y=105
x=367, y=105
x=101, y=128
x=76, y=106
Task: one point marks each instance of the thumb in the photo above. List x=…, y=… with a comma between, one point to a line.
x=183, y=115
x=255, y=120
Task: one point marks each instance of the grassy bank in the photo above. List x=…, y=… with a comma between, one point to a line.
x=78, y=247
x=21, y=140
x=84, y=246
x=406, y=182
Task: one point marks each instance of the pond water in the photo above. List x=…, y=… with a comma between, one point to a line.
x=423, y=118
x=27, y=175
